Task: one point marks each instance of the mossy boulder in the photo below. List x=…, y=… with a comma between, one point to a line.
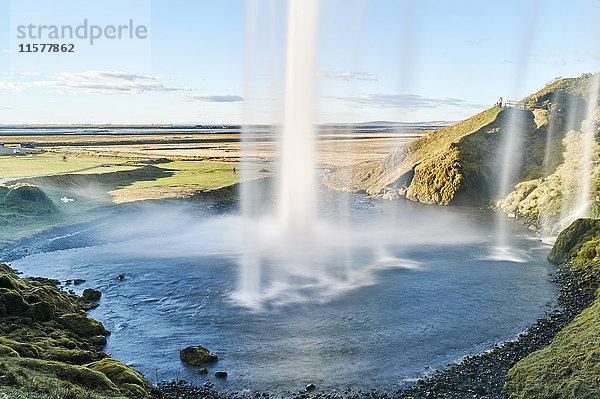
x=12, y=303
x=128, y=380
x=197, y=355
x=82, y=325
x=92, y=294
x=580, y=244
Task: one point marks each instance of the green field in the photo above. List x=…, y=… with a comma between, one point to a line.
x=52, y=163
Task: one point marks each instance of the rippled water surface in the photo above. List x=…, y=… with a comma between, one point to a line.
x=434, y=290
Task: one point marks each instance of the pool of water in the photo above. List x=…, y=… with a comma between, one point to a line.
x=426, y=289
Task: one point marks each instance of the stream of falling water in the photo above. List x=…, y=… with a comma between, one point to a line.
x=588, y=131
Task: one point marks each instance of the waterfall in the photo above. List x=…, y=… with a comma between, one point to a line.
x=297, y=188
x=588, y=132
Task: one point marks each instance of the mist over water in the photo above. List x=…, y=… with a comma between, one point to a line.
x=379, y=304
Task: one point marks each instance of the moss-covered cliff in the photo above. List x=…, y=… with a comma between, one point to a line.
x=457, y=164
x=49, y=345
x=460, y=163
x=570, y=366
x=552, y=201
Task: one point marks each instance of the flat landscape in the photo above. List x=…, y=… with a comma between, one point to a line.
x=195, y=158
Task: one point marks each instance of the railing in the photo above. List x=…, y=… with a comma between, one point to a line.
x=514, y=104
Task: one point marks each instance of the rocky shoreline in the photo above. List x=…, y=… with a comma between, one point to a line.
x=49, y=346
x=481, y=376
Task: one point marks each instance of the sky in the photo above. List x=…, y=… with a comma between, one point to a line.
x=211, y=61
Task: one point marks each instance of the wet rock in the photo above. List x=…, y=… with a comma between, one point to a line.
x=82, y=325
x=203, y=371
x=197, y=355
x=221, y=374
x=78, y=281
x=91, y=294
x=121, y=277
x=310, y=387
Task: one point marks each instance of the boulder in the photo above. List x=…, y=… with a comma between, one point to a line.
x=91, y=294
x=12, y=303
x=82, y=325
x=221, y=374
x=129, y=381
x=197, y=355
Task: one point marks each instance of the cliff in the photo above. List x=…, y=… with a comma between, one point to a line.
x=460, y=164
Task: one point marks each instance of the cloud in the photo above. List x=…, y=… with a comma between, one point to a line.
x=412, y=101
x=476, y=41
x=5, y=50
x=347, y=76
x=213, y=98
x=94, y=82
x=3, y=107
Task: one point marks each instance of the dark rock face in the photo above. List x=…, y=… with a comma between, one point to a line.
x=91, y=294
x=197, y=355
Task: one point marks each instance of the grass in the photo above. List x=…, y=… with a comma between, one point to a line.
x=208, y=175
x=187, y=178
x=52, y=163
x=412, y=170
x=570, y=366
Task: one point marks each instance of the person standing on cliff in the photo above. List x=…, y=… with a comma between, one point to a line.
x=499, y=103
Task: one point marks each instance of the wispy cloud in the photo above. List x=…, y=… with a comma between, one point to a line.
x=476, y=41
x=212, y=98
x=347, y=75
x=413, y=101
x=5, y=50
x=3, y=107
x=94, y=82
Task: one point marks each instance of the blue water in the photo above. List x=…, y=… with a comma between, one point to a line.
x=181, y=269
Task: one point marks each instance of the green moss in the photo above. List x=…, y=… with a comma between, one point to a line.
x=129, y=381
x=577, y=243
x=45, y=337
x=82, y=325
x=7, y=351
x=50, y=377
x=570, y=366
x=567, y=368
